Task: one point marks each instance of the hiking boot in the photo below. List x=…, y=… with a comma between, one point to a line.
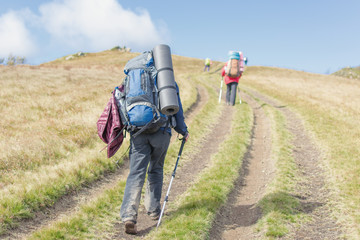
x=130, y=227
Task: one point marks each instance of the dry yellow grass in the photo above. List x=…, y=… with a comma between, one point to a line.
x=336, y=94
x=49, y=111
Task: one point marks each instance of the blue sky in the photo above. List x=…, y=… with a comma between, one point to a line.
x=319, y=36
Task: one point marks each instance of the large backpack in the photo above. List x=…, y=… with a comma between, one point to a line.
x=139, y=100
x=235, y=65
x=233, y=68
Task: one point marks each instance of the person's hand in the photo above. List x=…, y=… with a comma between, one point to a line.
x=186, y=136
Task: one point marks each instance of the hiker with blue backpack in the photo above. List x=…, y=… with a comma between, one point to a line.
x=150, y=106
x=231, y=73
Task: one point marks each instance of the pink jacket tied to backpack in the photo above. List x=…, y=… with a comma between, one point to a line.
x=110, y=127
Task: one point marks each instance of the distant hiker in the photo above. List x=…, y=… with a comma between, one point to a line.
x=232, y=72
x=148, y=147
x=208, y=62
x=245, y=60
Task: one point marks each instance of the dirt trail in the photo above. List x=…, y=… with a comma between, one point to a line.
x=311, y=190
x=236, y=218
x=71, y=202
x=184, y=175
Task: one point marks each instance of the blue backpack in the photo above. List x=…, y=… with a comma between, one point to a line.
x=139, y=99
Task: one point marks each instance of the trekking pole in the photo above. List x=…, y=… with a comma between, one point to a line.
x=172, y=178
x=221, y=85
x=239, y=94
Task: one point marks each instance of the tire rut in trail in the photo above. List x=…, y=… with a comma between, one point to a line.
x=202, y=97
x=71, y=202
x=311, y=191
x=185, y=175
x=236, y=219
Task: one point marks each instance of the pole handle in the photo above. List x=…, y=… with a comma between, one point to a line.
x=180, y=152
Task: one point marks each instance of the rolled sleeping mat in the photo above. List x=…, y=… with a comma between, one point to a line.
x=169, y=104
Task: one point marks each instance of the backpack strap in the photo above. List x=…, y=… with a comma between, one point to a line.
x=165, y=68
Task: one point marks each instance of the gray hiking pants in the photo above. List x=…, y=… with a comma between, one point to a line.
x=147, y=152
x=231, y=93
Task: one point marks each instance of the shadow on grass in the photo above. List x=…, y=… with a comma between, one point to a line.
x=279, y=209
x=287, y=204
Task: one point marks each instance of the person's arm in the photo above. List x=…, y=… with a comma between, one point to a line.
x=180, y=119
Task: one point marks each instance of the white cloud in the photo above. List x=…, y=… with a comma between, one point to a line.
x=15, y=38
x=98, y=25
x=63, y=26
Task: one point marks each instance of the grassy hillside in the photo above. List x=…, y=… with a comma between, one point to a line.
x=49, y=146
